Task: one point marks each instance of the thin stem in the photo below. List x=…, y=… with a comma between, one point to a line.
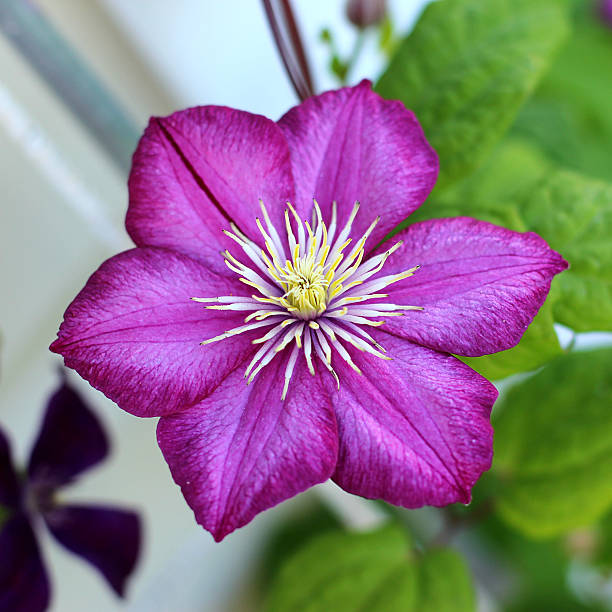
x=570, y=347
x=298, y=47
x=292, y=55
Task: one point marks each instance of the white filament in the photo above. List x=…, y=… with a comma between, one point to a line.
x=313, y=296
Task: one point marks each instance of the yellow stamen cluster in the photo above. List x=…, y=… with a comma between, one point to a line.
x=306, y=287
x=313, y=297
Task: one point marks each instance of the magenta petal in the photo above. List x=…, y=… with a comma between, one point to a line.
x=10, y=489
x=196, y=170
x=107, y=538
x=350, y=145
x=70, y=441
x=24, y=586
x=480, y=285
x=243, y=450
x=413, y=430
x=134, y=333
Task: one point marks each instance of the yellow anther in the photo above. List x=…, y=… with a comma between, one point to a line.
x=296, y=287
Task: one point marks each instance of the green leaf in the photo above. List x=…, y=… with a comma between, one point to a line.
x=376, y=572
x=444, y=583
x=574, y=215
x=520, y=189
x=553, y=446
x=291, y=534
x=603, y=551
x=570, y=115
x=466, y=69
x=495, y=191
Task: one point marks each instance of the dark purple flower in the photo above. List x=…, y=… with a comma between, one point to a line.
x=605, y=10
x=347, y=347
x=366, y=13
x=70, y=442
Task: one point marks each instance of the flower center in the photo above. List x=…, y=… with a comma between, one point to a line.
x=306, y=287
x=310, y=292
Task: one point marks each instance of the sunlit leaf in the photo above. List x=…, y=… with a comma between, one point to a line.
x=553, y=446
x=574, y=215
x=466, y=69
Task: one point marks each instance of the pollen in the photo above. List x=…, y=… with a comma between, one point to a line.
x=307, y=287
x=315, y=292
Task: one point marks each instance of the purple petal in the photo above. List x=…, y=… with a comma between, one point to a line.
x=134, y=333
x=243, y=450
x=107, y=538
x=480, y=285
x=10, y=488
x=413, y=430
x=350, y=145
x=196, y=170
x=70, y=441
x=24, y=586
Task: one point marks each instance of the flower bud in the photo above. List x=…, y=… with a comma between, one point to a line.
x=365, y=13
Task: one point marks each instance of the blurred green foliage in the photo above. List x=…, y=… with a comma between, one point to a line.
x=388, y=40
x=570, y=115
x=292, y=534
x=535, y=572
x=376, y=571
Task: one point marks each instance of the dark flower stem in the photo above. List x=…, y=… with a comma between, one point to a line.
x=289, y=44
x=296, y=40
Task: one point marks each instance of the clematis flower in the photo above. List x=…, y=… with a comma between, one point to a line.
x=278, y=342
x=70, y=442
